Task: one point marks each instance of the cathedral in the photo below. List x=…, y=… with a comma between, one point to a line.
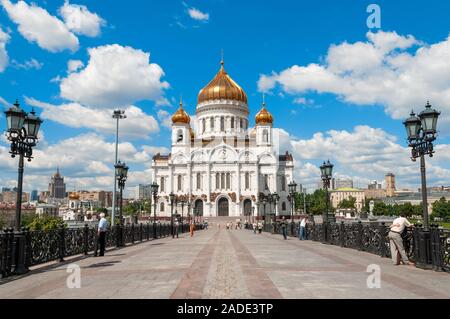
x=224, y=164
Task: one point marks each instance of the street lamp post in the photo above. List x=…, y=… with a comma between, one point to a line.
x=264, y=205
x=326, y=171
x=421, y=132
x=253, y=215
x=183, y=201
x=154, y=188
x=117, y=115
x=292, y=190
x=121, y=173
x=22, y=132
x=172, y=199
x=275, y=198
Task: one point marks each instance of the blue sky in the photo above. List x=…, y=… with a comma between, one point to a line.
x=352, y=115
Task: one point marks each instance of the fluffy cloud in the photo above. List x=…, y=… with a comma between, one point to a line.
x=395, y=71
x=137, y=124
x=74, y=65
x=37, y=25
x=198, y=15
x=85, y=160
x=29, y=64
x=4, y=59
x=364, y=154
x=80, y=20
x=165, y=118
x=115, y=76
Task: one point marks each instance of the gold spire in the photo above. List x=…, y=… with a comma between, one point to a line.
x=222, y=87
x=263, y=116
x=181, y=116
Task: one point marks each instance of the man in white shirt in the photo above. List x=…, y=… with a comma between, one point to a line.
x=396, y=241
x=302, y=229
x=102, y=227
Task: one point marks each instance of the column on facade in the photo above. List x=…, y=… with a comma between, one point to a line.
x=190, y=179
x=238, y=190
x=207, y=205
x=256, y=187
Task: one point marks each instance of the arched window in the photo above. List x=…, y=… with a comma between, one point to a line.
x=232, y=122
x=247, y=180
x=241, y=123
x=212, y=123
x=199, y=181
x=180, y=182
x=203, y=126
x=283, y=206
x=265, y=136
x=228, y=181
x=161, y=207
x=163, y=184
x=217, y=181
x=179, y=136
x=222, y=124
x=283, y=182
x=266, y=182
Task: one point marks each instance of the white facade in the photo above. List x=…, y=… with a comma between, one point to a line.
x=223, y=166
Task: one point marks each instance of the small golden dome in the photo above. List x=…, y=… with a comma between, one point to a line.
x=74, y=196
x=222, y=87
x=263, y=116
x=181, y=116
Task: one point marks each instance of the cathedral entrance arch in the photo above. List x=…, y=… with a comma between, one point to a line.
x=223, y=207
x=247, y=207
x=198, y=208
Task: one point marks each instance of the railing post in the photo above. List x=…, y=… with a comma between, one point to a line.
x=8, y=252
x=422, y=248
x=359, y=236
x=86, y=239
x=436, y=248
x=61, y=244
x=141, y=234
x=383, y=240
x=118, y=235
x=342, y=234
x=148, y=231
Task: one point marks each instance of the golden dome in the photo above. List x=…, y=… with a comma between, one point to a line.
x=74, y=196
x=263, y=116
x=181, y=116
x=222, y=87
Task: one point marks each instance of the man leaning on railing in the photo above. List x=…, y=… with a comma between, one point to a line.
x=396, y=241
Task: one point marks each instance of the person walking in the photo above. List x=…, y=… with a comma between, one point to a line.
x=302, y=229
x=192, y=228
x=254, y=227
x=177, y=226
x=260, y=227
x=101, y=232
x=396, y=241
x=284, y=227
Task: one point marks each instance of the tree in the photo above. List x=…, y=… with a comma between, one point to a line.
x=441, y=208
x=2, y=223
x=348, y=203
x=46, y=223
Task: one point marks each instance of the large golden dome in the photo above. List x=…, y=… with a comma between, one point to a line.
x=222, y=87
x=263, y=116
x=181, y=116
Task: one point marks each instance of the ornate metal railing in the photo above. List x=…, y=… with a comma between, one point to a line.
x=373, y=238
x=45, y=246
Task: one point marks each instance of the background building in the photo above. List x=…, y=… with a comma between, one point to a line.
x=57, y=187
x=143, y=192
x=338, y=195
x=343, y=183
x=34, y=197
x=374, y=185
x=390, y=184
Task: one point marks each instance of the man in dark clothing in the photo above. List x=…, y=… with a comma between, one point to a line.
x=284, y=227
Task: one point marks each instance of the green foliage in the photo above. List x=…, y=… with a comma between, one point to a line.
x=382, y=209
x=315, y=203
x=348, y=203
x=134, y=208
x=441, y=209
x=27, y=219
x=46, y=223
x=2, y=223
x=101, y=210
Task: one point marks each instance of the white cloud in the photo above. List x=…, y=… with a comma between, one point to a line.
x=80, y=20
x=74, y=65
x=37, y=25
x=137, y=125
x=115, y=76
x=29, y=64
x=395, y=71
x=165, y=118
x=4, y=59
x=198, y=15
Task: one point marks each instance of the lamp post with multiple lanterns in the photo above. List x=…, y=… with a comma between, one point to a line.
x=22, y=131
x=327, y=172
x=121, y=175
x=292, y=190
x=154, y=188
x=421, y=132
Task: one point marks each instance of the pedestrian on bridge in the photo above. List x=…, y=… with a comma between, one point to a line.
x=302, y=229
x=396, y=241
x=101, y=232
x=192, y=228
x=284, y=227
